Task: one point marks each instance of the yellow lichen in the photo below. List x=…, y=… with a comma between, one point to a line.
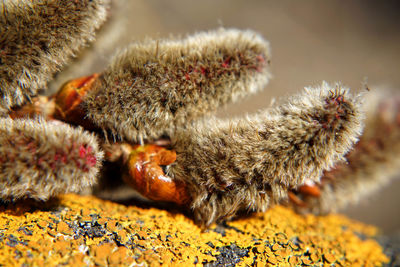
x=84, y=230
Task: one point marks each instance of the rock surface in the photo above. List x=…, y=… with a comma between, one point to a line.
x=86, y=231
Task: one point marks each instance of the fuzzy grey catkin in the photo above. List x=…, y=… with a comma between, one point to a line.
x=153, y=87
x=373, y=163
x=247, y=164
x=40, y=159
x=37, y=38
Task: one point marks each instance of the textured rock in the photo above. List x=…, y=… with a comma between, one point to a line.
x=77, y=230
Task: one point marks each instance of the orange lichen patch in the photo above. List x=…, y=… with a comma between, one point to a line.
x=86, y=231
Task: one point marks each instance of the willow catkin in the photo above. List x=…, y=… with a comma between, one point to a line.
x=372, y=164
x=252, y=162
x=153, y=87
x=38, y=37
x=39, y=159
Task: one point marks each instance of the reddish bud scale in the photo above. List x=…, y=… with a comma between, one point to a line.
x=295, y=199
x=39, y=106
x=298, y=196
x=68, y=101
x=146, y=175
x=311, y=190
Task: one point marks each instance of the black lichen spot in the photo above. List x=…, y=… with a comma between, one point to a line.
x=13, y=241
x=210, y=244
x=89, y=229
x=18, y=254
x=25, y=230
x=229, y=256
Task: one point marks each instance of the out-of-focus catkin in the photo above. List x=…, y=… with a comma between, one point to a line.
x=38, y=37
x=153, y=87
x=372, y=164
x=250, y=163
x=40, y=159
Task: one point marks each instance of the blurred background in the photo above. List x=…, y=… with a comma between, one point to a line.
x=311, y=41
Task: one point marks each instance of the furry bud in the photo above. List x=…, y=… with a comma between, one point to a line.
x=373, y=162
x=38, y=37
x=250, y=163
x=39, y=159
x=154, y=87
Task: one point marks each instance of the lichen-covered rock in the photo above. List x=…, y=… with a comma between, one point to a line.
x=77, y=231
